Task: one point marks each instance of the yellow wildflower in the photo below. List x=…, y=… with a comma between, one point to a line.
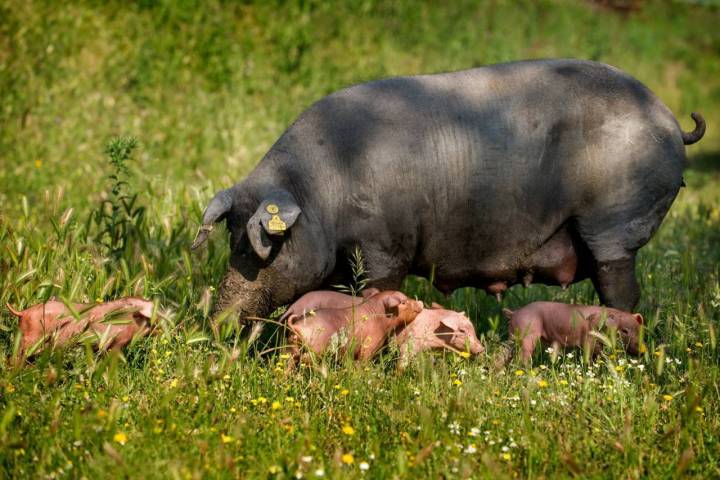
x=276, y=405
x=9, y=388
x=289, y=399
x=348, y=430
x=120, y=438
x=563, y=382
x=465, y=354
x=38, y=163
x=101, y=413
x=457, y=382
x=273, y=470
x=226, y=438
x=667, y=398
x=284, y=356
x=619, y=368
x=519, y=373
x=699, y=410
x=345, y=392
x=348, y=459
x=542, y=383
x=698, y=344
x=173, y=383
x=505, y=456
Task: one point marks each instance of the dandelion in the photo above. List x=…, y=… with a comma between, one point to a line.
x=273, y=470
x=667, y=398
x=276, y=405
x=699, y=410
x=619, y=368
x=519, y=373
x=38, y=163
x=505, y=456
x=345, y=392
x=563, y=382
x=465, y=354
x=542, y=383
x=226, y=438
x=120, y=438
x=364, y=466
x=348, y=459
x=174, y=383
x=348, y=430
x=457, y=382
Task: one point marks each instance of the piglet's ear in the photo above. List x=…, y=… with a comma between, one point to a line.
x=391, y=303
x=276, y=214
x=639, y=319
x=451, y=322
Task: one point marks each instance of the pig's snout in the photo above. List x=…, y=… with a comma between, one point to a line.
x=476, y=347
x=417, y=306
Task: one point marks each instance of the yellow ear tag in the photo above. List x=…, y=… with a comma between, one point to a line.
x=272, y=209
x=276, y=225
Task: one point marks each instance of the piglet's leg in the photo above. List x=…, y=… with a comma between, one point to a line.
x=527, y=347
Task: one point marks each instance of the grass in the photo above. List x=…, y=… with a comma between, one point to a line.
x=206, y=87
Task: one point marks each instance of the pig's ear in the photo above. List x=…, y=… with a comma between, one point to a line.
x=639, y=318
x=450, y=321
x=216, y=210
x=391, y=303
x=276, y=214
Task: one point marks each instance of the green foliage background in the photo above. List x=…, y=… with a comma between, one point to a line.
x=206, y=87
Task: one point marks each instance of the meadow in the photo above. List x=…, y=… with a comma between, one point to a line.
x=205, y=88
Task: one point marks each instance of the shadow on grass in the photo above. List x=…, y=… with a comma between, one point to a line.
x=704, y=162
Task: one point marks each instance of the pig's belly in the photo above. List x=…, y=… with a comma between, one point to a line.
x=562, y=259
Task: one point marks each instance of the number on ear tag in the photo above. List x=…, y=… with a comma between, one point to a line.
x=272, y=209
x=276, y=224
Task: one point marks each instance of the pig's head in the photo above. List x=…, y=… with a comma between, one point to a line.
x=628, y=328
x=458, y=332
x=278, y=250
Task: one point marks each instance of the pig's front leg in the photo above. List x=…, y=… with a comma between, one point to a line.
x=527, y=347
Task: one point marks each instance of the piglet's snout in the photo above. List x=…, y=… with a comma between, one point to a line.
x=476, y=347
